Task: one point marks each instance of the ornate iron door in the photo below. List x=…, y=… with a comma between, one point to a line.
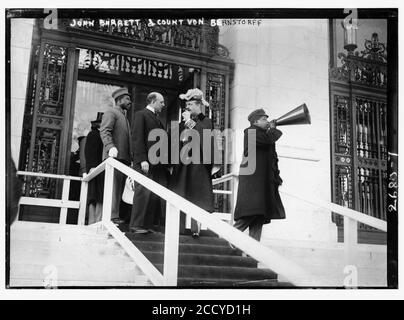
x=359, y=131
x=45, y=135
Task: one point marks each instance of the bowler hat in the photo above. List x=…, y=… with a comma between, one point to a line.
x=99, y=117
x=194, y=94
x=256, y=114
x=120, y=92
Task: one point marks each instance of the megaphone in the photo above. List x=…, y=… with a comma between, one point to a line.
x=299, y=115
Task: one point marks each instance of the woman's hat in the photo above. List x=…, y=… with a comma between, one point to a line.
x=194, y=94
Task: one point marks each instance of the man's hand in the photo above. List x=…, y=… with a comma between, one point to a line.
x=272, y=124
x=186, y=115
x=113, y=152
x=145, y=166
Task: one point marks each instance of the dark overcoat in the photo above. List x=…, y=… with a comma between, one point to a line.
x=258, y=191
x=93, y=155
x=193, y=181
x=115, y=132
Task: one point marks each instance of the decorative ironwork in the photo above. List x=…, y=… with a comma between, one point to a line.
x=374, y=49
x=48, y=115
x=117, y=64
x=360, y=131
x=189, y=34
x=343, y=190
x=371, y=191
x=360, y=70
x=343, y=175
x=342, y=125
x=45, y=159
x=368, y=68
x=216, y=95
x=223, y=51
x=383, y=129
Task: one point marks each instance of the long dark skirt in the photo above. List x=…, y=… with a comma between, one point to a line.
x=96, y=189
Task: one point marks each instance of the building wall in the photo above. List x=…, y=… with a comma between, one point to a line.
x=279, y=65
x=20, y=50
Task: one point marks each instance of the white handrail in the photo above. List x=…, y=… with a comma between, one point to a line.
x=351, y=217
x=100, y=168
x=223, y=178
x=142, y=262
x=64, y=204
x=266, y=256
x=47, y=175
x=344, y=211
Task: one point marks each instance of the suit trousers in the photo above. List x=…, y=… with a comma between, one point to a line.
x=195, y=225
x=254, y=225
x=148, y=209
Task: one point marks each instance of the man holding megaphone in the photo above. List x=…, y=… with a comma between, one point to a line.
x=258, y=200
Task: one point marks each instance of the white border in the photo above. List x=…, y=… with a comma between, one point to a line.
x=193, y=294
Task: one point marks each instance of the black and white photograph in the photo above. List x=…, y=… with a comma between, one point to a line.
x=201, y=148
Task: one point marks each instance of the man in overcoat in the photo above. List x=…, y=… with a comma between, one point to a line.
x=148, y=208
x=93, y=155
x=116, y=136
x=192, y=179
x=258, y=200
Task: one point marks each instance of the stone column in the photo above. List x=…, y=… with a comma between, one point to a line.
x=20, y=51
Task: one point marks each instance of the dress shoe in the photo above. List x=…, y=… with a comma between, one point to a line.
x=139, y=231
x=117, y=221
x=232, y=246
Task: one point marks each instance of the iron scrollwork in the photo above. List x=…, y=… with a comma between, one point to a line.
x=216, y=96
x=48, y=125
x=200, y=38
x=367, y=68
x=117, y=64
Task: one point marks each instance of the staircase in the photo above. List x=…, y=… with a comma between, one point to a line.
x=207, y=261
x=53, y=255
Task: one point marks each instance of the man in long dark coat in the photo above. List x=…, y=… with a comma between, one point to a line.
x=193, y=180
x=116, y=135
x=148, y=208
x=258, y=200
x=93, y=156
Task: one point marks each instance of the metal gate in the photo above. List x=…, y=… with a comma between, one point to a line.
x=359, y=130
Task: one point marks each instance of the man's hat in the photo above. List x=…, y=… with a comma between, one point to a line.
x=119, y=93
x=99, y=118
x=256, y=114
x=194, y=94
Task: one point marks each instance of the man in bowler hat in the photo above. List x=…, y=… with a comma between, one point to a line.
x=116, y=136
x=254, y=209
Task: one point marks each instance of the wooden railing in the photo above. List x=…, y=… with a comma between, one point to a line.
x=351, y=217
x=64, y=204
x=269, y=258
